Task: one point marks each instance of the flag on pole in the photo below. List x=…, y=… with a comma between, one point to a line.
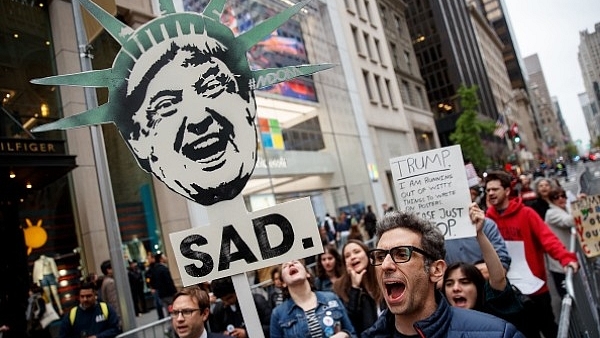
x=501, y=128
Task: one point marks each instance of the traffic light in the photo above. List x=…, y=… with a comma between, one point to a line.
x=517, y=138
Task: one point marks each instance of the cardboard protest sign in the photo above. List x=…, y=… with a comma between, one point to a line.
x=586, y=213
x=181, y=94
x=433, y=184
x=246, y=242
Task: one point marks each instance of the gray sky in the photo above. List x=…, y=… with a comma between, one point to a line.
x=551, y=29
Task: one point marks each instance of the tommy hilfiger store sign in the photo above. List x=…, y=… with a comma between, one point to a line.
x=23, y=146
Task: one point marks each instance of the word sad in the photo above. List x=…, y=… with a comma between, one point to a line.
x=229, y=236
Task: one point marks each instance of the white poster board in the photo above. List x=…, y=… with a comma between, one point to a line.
x=587, y=224
x=239, y=241
x=433, y=184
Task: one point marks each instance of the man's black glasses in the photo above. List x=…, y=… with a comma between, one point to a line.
x=400, y=254
x=184, y=312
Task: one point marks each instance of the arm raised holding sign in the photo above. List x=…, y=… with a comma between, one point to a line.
x=465, y=286
x=496, y=272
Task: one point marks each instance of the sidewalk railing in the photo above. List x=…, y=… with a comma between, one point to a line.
x=161, y=328
x=580, y=312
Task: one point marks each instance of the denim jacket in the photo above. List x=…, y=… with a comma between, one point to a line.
x=289, y=320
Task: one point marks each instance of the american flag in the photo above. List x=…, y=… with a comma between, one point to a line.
x=501, y=128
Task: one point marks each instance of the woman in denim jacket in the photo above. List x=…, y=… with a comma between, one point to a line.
x=308, y=313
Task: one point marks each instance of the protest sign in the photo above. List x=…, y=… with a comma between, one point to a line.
x=586, y=213
x=245, y=241
x=433, y=184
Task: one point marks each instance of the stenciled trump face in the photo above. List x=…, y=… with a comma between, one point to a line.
x=196, y=130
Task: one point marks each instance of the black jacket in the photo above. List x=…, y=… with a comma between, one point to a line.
x=222, y=316
x=362, y=309
x=162, y=281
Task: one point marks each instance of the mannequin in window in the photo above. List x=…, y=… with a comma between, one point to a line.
x=45, y=274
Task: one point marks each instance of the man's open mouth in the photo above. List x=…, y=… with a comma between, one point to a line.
x=394, y=290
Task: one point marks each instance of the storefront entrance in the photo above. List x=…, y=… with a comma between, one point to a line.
x=30, y=172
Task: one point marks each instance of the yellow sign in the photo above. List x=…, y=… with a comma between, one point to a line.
x=35, y=235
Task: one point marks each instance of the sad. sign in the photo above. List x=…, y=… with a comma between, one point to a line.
x=246, y=242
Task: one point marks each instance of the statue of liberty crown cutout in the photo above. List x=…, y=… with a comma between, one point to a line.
x=181, y=93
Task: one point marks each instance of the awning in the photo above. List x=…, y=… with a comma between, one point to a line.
x=33, y=163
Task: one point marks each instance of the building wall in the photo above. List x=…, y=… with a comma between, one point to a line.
x=592, y=118
x=408, y=76
x=552, y=137
x=449, y=55
x=90, y=218
x=589, y=63
x=384, y=98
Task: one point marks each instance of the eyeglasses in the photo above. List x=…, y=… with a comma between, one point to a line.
x=400, y=254
x=184, y=312
x=559, y=196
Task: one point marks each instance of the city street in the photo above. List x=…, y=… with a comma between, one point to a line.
x=582, y=178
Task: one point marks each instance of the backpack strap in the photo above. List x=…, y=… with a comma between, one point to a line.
x=73, y=312
x=104, y=309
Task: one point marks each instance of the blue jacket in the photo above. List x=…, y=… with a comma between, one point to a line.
x=448, y=322
x=468, y=250
x=289, y=320
x=92, y=322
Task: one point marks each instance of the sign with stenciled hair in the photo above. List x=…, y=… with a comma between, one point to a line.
x=181, y=94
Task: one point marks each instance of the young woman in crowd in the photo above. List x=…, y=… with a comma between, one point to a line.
x=305, y=312
x=358, y=286
x=466, y=287
x=543, y=186
x=560, y=221
x=329, y=268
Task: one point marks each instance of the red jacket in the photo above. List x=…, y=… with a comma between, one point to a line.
x=521, y=223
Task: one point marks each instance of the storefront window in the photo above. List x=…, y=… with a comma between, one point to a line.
x=26, y=54
x=36, y=213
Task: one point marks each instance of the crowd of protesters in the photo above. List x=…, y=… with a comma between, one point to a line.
x=368, y=283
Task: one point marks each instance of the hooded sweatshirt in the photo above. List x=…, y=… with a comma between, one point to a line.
x=522, y=224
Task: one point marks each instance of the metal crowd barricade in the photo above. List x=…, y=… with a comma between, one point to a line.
x=161, y=328
x=580, y=312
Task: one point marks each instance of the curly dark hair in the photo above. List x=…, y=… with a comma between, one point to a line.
x=432, y=239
